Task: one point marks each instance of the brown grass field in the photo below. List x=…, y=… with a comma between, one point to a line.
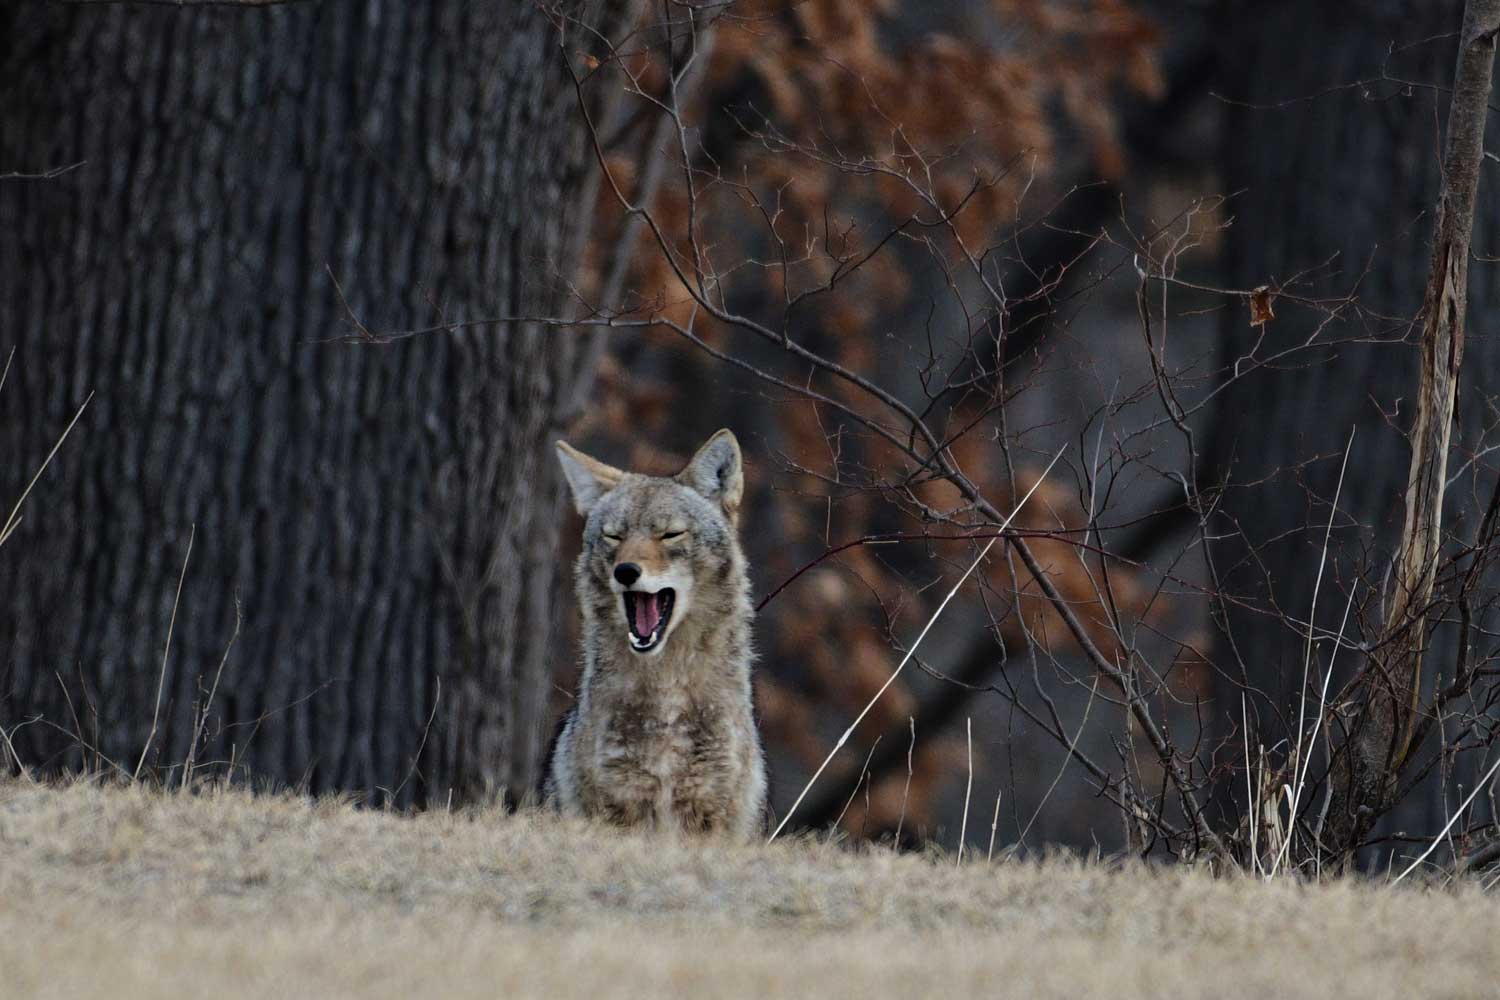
x=129, y=892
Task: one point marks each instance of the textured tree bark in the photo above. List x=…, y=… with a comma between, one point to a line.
x=384, y=515
x=1336, y=183
x=1366, y=771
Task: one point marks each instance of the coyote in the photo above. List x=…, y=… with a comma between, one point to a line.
x=663, y=732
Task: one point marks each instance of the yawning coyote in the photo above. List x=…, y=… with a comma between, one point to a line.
x=663, y=732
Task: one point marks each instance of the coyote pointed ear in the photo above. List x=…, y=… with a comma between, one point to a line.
x=588, y=478
x=717, y=472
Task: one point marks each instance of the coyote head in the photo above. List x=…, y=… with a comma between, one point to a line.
x=656, y=550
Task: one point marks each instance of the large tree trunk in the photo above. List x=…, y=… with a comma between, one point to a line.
x=384, y=515
x=1354, y=171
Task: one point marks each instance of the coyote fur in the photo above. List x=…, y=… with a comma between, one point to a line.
x=663, y=732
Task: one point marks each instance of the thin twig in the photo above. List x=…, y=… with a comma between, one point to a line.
x=416, y=757
x=199, y=730
x=1072, y=747
x=45, y=175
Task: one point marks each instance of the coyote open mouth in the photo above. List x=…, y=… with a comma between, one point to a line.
x=648, y=615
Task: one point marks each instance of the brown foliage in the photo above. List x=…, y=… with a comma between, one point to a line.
x=822, y=127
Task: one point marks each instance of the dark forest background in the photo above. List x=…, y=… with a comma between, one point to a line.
x=301, y=262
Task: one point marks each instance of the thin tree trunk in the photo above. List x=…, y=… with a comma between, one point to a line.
x=1334, y=187
x=1366, y=770
x=384, y=515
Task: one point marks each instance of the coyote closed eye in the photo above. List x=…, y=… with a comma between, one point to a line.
x=663, y=732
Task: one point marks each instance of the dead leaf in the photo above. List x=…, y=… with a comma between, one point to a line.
x=1261, y=312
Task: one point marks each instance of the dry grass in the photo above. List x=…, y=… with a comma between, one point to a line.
x=127, y=892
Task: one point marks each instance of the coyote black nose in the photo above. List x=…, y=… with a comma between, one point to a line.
x=627, y=573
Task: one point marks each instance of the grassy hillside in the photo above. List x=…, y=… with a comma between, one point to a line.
x=132, y=893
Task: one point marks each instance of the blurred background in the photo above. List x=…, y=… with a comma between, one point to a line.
x=327, y=279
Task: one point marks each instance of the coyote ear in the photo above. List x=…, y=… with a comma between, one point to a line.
x=588, y=477
x=717, y=472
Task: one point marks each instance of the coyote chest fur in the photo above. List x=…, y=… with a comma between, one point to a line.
x=663, y=732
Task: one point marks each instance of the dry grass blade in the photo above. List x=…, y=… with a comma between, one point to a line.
x=994, y=825
x=15, y=757
x=1312, y=614
x=963, y=830
x=906, y=791
x=15, y=519
x=1482, y=784
x=161, y=678
x=864, y=774
x=1251, y=811
x=1295, y=806
x=1299, y=764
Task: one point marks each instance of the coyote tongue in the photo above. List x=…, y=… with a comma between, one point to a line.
x=647, y=614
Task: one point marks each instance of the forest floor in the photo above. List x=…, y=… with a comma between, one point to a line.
x=128, y=892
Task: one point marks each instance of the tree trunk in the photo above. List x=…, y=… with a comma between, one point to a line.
x=1340, y=188
x=1366, y=771
x=384, y=516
